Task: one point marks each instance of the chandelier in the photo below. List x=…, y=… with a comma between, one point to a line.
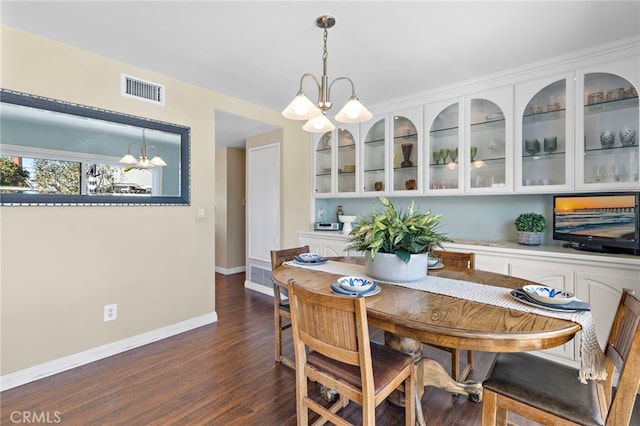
x=143, y=161
x=301, y=108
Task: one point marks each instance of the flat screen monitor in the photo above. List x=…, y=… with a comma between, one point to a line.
x=601, y=222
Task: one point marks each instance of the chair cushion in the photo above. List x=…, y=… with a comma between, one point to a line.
x=546, y=385
x=387, y=364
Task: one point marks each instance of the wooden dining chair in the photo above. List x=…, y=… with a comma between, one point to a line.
x=550, y=393
x=281, y=310
x=464, y=261
x=332, y=347
x=456, y=259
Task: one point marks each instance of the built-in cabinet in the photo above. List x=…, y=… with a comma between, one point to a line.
x=552, y=130
x=335, y=162
x=607, y=124
x=595, y=278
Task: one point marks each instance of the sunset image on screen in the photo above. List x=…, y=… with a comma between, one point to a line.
x=607, y=216
x=579, y=203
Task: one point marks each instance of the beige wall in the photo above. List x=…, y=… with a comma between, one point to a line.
x=61, y=265
x=230, y=208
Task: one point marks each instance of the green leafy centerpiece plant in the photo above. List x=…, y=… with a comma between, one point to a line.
x=396, y=243
x=530, y=227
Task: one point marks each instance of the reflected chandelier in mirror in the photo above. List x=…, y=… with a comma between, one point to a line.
x=56, y=153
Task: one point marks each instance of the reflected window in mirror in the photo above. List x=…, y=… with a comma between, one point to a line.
x=57, y=153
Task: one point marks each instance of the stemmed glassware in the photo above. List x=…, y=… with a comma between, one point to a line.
x=436, y=157
x=474, y=152
x=444, y=153
x=532, y=146
x=550, y=144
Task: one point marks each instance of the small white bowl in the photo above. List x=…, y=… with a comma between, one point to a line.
x=308, y=257
x=357, y=284
x=432, y=261
x=552, y=296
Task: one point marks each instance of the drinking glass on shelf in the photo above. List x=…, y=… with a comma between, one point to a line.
x=436, y=157
x=532, y=146
x=454, y=154
x=474, y=152
x=550, y=144
x=600, y=173
x=444, y=153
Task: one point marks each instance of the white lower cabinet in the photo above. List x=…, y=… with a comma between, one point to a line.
x=553, y=275
x=325, y=243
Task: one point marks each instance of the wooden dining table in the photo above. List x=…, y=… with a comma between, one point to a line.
x=409, y=317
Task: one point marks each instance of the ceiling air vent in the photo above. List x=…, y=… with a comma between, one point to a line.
x=141, y=89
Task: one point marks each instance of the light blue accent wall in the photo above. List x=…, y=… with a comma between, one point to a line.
x=468, y=217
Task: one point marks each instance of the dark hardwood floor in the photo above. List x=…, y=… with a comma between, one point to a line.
x=220, y=374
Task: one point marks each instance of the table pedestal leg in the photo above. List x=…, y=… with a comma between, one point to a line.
x=435, y=375
x=429, y=372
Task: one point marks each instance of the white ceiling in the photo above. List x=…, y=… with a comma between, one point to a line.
x=257, y=51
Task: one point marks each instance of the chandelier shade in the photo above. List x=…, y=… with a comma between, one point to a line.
x=301, y=108
x=142, y=162
x=320, y=124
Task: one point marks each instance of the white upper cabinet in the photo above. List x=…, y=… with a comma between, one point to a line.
x=544, y=134
x=444, y=148
x=405, y=153
x=489, y=141
x=607, y=126
x=568, y=126
x=335, y=164
x=374, y=156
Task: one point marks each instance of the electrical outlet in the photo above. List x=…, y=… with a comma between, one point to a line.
x=110, y=312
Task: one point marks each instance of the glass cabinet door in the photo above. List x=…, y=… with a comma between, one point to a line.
x=347, y=165
x=487, y=146
x=374, y=157
x=543, y=154
x=610, y=125
x=445, y=155
x=323, y=164
x=406, y=147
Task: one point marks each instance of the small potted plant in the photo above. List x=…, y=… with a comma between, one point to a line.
x=530, y=226
x=396, y=243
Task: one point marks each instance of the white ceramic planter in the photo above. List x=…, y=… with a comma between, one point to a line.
x=390, y=268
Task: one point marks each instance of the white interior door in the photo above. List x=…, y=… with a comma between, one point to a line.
x=263, y=201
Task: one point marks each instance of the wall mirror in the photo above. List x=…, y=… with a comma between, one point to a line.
x=58, y=153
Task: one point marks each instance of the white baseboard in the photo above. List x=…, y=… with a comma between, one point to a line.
x=259, y=288
x=50, y=368
x=230, y=271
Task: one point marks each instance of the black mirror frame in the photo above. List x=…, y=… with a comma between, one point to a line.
x=34, y=101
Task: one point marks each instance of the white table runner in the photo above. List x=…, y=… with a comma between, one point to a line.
x=592, y=357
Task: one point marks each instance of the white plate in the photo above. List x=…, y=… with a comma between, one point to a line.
x=536, y=305
x=549, y=295
x=436, y=266
x=319, y=262
x=374, y=292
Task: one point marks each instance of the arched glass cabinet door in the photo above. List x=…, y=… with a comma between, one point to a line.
x=543, y=151
x=374, y=158
x=406, y=152
x=610, y=115
x=347, y=165
x=323, y=164
x=487, y=146
x=444, y=155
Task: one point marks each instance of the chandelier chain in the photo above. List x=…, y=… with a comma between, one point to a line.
x=325, y=53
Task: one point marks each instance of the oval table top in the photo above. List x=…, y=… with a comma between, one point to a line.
x=446, y=320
